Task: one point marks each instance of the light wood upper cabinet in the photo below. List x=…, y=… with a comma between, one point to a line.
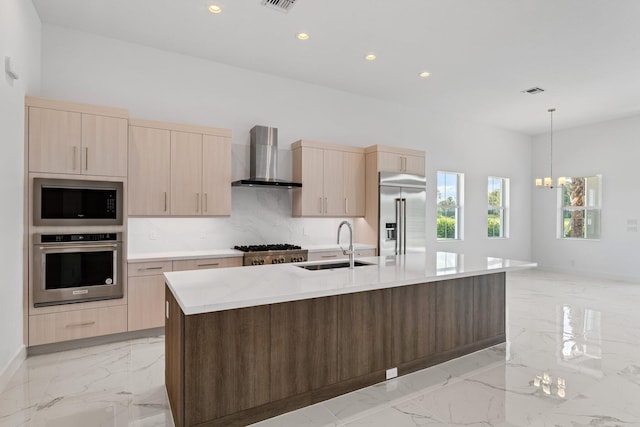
x=149, y=171
x=78, y=139
x=332, y=178
x=401, y=161
x=186, y=173
x=54, y=141
x=333, y=183
x=104, y=145
x=354, y=188
x=193, y=164
x=216, y=175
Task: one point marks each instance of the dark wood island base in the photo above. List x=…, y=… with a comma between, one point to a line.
x=240, y=366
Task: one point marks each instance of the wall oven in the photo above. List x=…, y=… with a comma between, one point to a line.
x=70, y=268
x=76, y=202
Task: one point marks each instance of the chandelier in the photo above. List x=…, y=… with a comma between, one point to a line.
x=547, y=182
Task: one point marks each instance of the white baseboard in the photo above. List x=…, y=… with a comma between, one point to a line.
x=12, y=367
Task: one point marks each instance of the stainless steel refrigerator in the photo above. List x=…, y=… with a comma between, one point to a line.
x=401, y=214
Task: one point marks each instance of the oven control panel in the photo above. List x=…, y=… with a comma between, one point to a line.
x=85, y=237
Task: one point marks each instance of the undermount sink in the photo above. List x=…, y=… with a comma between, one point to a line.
x=332, y=265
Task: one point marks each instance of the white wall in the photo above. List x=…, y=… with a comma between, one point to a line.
x=160, y=85
x=20, y=40
x=612, y=149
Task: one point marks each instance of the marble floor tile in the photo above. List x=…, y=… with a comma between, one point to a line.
x=571, y=359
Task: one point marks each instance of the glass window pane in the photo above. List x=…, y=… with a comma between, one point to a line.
x=495, y=220
x=447, y=189
x=592, y=224
x=592, y=192
x=447, y=223
x=574, y=192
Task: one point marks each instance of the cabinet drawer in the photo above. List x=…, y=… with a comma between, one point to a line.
x=72, y=325
x=148, y=268
x=206, y=263
x=365, y=252
x=326, y=255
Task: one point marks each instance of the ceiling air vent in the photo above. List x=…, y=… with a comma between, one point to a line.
x=281, y=5
x=533, y=91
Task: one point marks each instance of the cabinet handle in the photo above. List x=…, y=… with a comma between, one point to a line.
x=329, y=256
x=86, y=158
x=325, y=205
x=206, y=205
x=75, y=325
x=346, y=205
x=213, y=264
x=165, y=201
x=197, y=202
x=320, y=204
x=166, y=305
x=151, y=268
x=75, y=155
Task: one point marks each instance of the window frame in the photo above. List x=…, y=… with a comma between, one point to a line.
x=458, y=207
x=503, y=207
x=560, y=232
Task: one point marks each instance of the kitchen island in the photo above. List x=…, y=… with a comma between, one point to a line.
x=250, y=343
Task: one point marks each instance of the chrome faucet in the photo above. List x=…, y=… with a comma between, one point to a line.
x=350, y=251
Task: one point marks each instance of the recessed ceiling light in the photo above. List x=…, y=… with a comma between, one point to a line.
x=214, y=8
x=424, y=74
x=370, y=57
x=302, y=36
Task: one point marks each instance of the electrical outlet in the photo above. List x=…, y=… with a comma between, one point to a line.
x=203, y=234
x=153, y=235
x=392, y=373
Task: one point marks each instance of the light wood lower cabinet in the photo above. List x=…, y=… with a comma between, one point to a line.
x=76, y=324
x=146, y=287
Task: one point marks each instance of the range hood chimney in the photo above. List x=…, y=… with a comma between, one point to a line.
x=263, y=160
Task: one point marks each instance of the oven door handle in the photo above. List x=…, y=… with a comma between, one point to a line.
x=75, y=247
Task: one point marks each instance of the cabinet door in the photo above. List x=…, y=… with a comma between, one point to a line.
x=312, y=182
x=454, y=315
x=104, y=145
x=413, y=322
x=54, y=141
x=216, y=175
x=146, y=302
x=303, y=346
x=333, y=183
x=186, y=173
x=362, y=343
x=414, y=165
x=389, y=162
x=149, y=171
x=354, y=165
x=489, y=306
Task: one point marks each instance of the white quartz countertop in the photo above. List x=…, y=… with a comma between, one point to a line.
x=177, y=255
x=204, y=291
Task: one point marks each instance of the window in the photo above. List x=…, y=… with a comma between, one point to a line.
x=580, y=204
x=449, y=199
x=498, y=200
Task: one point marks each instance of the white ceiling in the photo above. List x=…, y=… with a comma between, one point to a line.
x=481, y=53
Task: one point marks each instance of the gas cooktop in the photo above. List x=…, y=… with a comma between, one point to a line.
x=264, y=248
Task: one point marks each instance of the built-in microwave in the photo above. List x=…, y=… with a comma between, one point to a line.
x=76, y=202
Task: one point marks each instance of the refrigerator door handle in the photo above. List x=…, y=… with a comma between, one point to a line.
x=404, y=226
x=398, y=233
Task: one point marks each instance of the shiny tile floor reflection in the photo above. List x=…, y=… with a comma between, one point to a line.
x=572, y=359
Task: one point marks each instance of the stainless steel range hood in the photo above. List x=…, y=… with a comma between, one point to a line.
x=263, y=160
